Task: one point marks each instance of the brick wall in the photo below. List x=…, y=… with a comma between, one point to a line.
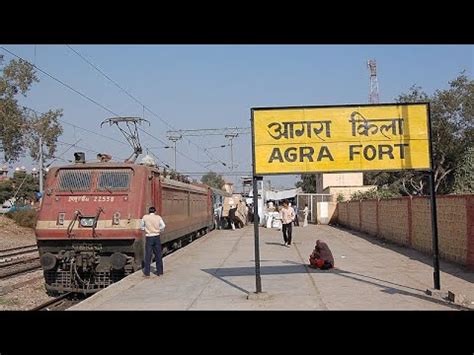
x=470, y=231
x=393, y=220
x=369, y=217
x=452, y=229
x=342, y=215
x=421, y=224
x=407, y=221
x=353, y=218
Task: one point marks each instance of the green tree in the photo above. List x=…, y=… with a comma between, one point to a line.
x=307, y=183
x=213, y=179
x=453, y=129
x=24, y=186
x=452, y=112
x=19, y=128
x=464, y=177
x=16, y=78
x=48, y=127
x=6, y=190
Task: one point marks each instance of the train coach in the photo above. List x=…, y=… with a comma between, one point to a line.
x=88, y=227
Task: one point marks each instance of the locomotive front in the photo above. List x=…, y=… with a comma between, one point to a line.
x=88, y=227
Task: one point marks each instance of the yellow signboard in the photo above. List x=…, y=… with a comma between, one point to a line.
x=340, y=138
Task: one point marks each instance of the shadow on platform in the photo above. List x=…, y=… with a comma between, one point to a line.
x=296, y=268
x=445, y=266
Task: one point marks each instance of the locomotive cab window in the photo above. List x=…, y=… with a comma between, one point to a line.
x=75, y=180
x=114, y=180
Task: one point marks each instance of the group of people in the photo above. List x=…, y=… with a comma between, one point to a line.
x=231, y=220
x=153, y=225
x=287, y=204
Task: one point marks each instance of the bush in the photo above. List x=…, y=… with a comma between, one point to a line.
x=25, y=218
x=374, y=194
x=340, y=197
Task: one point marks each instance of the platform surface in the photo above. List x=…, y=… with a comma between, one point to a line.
x=217, y=272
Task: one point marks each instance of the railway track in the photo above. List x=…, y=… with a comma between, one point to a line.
x=7, y=253
x=20, y=268
x=4, y=290
x=58, y=304
x=19, y=260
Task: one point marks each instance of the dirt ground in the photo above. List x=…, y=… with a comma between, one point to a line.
x=12, y=235
x=25, y=291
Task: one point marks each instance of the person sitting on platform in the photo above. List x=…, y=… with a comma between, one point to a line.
x=321, y=257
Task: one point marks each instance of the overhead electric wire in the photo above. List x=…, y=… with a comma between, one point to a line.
x=161, y=141
x=104, y=107
x=137, y=100
x=90, y=131
x=117, y=85
x=87, y=149
x=156, y=157
x=81, y=94
x=61, y=82
x=79, y=127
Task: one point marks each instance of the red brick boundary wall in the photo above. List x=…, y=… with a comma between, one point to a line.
x=470, y=230
x=407, y=221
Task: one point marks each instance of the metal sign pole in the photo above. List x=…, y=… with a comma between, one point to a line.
x=256, y=221
x=434, y=233
x=434, y=217
x=256, y=217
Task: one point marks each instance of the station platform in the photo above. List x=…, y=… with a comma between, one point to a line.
x=217, y=272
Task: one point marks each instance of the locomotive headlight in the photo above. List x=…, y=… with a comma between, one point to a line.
x=87, y=221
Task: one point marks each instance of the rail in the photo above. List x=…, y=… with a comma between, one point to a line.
x=56, y=304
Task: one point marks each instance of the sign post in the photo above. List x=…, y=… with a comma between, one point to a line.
x=344, y=138
x=256, y=221
x=434, y=217
x=434, y=233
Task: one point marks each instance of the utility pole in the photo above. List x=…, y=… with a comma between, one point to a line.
x=41, y=167
x=174, y=139
x=231, y=136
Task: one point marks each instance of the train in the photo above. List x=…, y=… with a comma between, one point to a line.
x=88, y=228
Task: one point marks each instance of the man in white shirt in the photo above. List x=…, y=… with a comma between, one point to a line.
x=287, y=215
x=153, y=225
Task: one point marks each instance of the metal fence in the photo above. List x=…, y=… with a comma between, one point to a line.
x=311, y=200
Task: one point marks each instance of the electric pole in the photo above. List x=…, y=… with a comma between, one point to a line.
x=174, y=139
x=41, y=166
x=231, y=136
x=227, y=132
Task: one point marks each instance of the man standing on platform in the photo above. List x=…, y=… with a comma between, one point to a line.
x=306, y=213
x=153, y=225
x=287, y=215
x=295, y=221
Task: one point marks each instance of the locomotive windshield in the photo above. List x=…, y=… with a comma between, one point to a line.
x=114, y=180
x=75, y=180
x=81, y=180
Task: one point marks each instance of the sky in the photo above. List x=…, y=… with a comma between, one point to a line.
x=215, y=86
